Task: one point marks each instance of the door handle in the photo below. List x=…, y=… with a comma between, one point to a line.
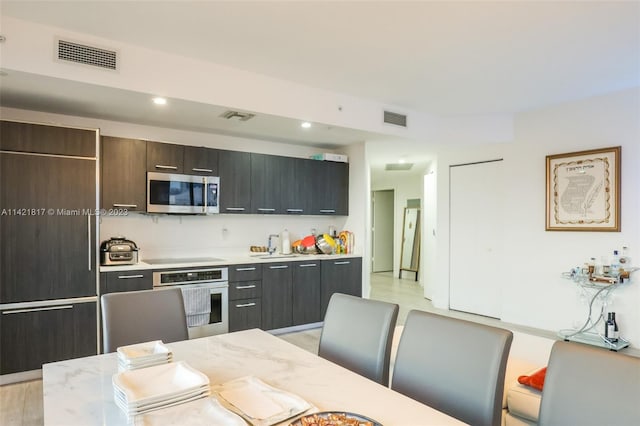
x=160, y=166
x=327, y=211
x=235, y=209
x=123, y=277
x=245, y=269
x=278, y=267
x=89, y=239
x=264, y=209
x=342, y=263
x=246, y=305
x=195, y=169
x=308, y=265
x=125, y=206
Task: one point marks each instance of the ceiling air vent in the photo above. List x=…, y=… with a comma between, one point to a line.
x=241, y=116
x=398, y=166
x=87, y=55
x=395, y=118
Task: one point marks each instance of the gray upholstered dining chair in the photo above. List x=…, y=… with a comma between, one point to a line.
x=454, y=366
x=590, y=386
x=141, y=316
x=357, y=335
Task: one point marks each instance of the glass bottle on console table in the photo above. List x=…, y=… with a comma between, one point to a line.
x=611, y=331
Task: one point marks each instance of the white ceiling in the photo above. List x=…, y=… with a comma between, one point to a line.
x=438, y=57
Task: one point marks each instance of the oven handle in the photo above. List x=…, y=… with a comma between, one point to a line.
x=213, y=286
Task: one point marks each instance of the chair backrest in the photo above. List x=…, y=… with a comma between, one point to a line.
x=357, y=335
x=589, y=386
x=141, y=316
x=454, y=366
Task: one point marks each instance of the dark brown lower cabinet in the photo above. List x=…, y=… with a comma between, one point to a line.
x=277, y=284
x=340, y=276
x=306, y=292
x=113, y=282
x=31, y=337
x=245, y=314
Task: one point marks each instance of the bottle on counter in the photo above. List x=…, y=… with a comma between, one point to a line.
x=614, y=266
x=625, y=259
x=286, y=244
x=611, y=331
x=591, y=266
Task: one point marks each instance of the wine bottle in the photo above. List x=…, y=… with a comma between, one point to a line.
x=611, y=328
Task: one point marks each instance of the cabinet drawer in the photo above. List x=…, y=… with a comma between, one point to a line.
x=34, y=336
x=245, y=290
x=245, y=314
x=113, y=282
x=249, y=272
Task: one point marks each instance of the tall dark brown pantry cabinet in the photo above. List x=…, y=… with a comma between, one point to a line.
x=47, y=244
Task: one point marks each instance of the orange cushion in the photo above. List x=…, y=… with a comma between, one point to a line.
x=535, y=380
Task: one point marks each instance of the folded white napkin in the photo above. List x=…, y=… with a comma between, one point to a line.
x=253, y=402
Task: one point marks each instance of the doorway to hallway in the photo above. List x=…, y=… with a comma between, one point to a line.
x=382, y=230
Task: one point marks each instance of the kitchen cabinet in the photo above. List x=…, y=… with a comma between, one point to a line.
x=199, y=160
x=266, y=179
x=296, y=183
x=306, y=292
x=277, y=286
x=330, y=188
x=235, y=181
x=48, y=244
x=165, y=157
x=32, y=337
x=124, y=178
x=113, y=282
x=43, y=139
x=245, y=297
x=340, y=276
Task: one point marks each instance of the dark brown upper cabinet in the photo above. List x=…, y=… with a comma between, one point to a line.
x=199, y=160
x=165, y=157
x=124, y=178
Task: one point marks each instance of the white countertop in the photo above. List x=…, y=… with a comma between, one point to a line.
x=229, y=259
x=80, y=391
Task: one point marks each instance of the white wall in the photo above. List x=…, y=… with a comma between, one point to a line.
x=535, y=293
x=162, y=235
x=405, y=186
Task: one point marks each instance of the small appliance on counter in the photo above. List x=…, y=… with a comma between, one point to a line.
x=118, y=251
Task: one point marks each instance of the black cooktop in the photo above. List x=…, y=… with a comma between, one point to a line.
x=182, y=260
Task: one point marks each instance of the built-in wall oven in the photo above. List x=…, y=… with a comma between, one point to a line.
x=206, y=296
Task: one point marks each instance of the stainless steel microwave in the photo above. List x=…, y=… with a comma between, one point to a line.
x=182, y=194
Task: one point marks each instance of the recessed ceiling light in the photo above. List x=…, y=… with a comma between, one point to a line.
x=402, y=161
x=306, y=125
x=159, y=101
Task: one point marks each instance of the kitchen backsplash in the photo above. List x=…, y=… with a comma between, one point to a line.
x=184, y=236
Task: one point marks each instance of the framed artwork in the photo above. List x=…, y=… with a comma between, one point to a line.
x=583, y=191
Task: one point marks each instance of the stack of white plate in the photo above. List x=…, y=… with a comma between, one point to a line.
x=143, y=355
x=140, y=391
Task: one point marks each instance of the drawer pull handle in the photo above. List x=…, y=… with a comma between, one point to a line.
x=125, y=206
x=234, y=209
x=50, y=308
x=246, y=305
x=244, y=287
x=264, y=209
x=195, y=169
x=345, y=262
x=124, y=277
x=295, y=210
x=327, y=211
x=307, y=265
x=160, y=166
x=278, y=267
x=245, y=269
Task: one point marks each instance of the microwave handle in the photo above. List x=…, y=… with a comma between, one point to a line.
x=205, y=188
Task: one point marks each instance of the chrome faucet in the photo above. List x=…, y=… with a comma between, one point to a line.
x=270, y=248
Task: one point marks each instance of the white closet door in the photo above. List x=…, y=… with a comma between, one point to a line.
x=476, y=235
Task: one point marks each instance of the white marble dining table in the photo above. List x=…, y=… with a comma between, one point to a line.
x=80, y=391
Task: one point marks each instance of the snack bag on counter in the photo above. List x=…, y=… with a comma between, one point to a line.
x=346, y=242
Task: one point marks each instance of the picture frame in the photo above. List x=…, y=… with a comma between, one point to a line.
x=583, y=190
